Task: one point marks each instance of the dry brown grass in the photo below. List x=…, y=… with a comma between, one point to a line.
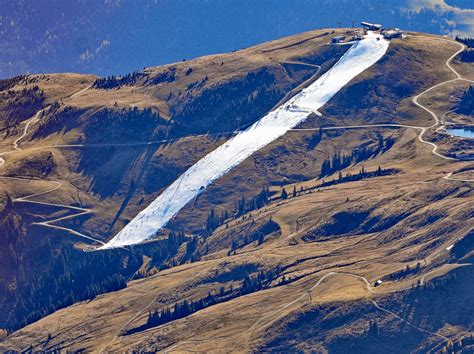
x=416, y=214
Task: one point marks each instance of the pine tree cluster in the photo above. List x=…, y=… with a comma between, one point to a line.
x=109, y=125
x=69, y=275
x=249, y=284
x=214, y=220
x=242, y=100
x=117, y=81
x=468, y=41
x=340, y=161
x=467, y=55
x=362, y=174
x=244, y=206
x=6, y=84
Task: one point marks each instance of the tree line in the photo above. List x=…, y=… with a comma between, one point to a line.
x=66, y=278
x=125, y=125
x=340, y=161
x=362, y=174
x=244, y=206
x=468, y=54
x=6, y=84
x=113, y=81
x=51, y=277
x=214, y=220
x=348, y=177
x=22, y=104
x=184, y=308
x=241, y=100
x=468, y=41
x=166, y=76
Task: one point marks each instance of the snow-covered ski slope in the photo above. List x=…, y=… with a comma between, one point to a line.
x=144, y=226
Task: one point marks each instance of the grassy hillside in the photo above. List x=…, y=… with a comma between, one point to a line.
x=361, y=327
x=280, y=248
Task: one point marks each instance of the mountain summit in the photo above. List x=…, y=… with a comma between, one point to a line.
x=312, y=193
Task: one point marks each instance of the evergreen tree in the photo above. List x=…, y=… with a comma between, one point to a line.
x=325, y=168
x=212, y=221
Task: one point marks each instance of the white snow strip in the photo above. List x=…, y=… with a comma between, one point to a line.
x=191, y=183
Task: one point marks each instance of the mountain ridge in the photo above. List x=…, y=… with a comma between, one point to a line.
x=398, y=226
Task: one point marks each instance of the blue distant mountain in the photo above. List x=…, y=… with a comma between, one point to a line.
x=114, y=37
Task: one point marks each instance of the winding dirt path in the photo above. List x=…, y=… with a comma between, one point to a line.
x=437, y=125
x=369, y=288
x=448, y=177
x=438, y=122
x=56, y=184
x=307, y=293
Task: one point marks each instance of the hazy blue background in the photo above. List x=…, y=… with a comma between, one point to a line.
x=118, y=36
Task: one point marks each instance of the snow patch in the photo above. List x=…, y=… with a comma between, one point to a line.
x=191, y=183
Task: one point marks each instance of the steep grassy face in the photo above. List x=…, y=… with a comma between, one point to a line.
x=288, y=245
x=20, y=105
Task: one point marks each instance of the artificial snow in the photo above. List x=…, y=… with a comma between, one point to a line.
x=191, y=183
